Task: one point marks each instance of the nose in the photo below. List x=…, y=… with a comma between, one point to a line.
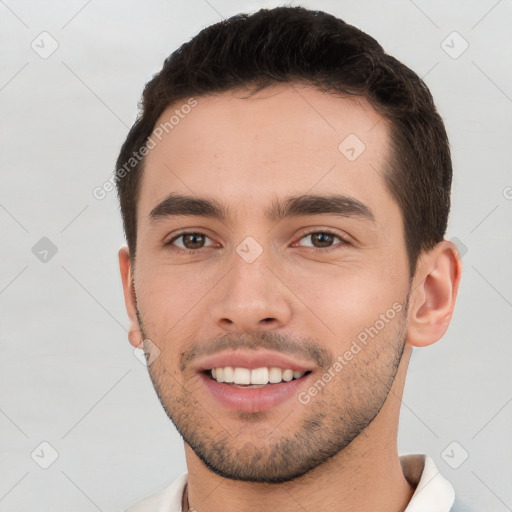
x=251, y=297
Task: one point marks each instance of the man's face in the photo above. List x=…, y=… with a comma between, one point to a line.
x=268, y=286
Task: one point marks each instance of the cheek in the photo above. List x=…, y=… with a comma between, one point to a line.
x=167, y=296
x=349, y=300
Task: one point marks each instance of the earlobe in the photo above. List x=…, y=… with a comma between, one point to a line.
x=433, y=294
x=135, y=335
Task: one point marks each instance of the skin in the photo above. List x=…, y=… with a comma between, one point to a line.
x=337, y=452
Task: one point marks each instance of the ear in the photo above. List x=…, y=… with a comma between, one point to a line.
x=434, y=292
x=135, y=335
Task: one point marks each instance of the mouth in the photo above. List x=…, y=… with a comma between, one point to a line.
x=253, y=381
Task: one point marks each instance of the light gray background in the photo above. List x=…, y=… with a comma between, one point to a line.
x=69, y=376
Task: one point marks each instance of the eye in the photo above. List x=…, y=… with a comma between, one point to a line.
x=193, y=241
x=323, y=240
x=189, y=241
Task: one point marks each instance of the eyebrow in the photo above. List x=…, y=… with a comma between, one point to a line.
x=295, y=206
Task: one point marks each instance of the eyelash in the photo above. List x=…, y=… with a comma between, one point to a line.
x=342, y=240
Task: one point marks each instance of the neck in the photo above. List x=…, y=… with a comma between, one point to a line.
x=365, y=476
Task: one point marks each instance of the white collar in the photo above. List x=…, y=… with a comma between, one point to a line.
x=433, y=492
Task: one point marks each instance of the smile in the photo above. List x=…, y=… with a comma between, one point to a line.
x=253, y=380
x=257, y=377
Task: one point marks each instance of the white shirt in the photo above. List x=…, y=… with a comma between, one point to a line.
x=433, y=492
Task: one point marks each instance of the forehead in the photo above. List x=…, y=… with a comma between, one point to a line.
x=288, y=139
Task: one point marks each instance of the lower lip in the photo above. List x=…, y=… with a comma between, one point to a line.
x=253, y=399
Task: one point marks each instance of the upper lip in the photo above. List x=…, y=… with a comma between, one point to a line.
x=252, y=360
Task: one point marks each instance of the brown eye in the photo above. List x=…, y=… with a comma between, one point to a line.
x=193, y=241
x=189, y=241
x=322, y=239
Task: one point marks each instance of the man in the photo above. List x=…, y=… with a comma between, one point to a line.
x=285, y=194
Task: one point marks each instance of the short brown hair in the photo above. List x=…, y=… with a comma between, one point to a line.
x=294, y=44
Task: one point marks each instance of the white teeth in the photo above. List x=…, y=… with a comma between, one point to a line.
x=228, y=374
x=275, y=375
x=288, y=375
x=257, y=376
x=242, y=376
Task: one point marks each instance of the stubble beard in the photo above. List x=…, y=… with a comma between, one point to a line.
x=337, y=416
